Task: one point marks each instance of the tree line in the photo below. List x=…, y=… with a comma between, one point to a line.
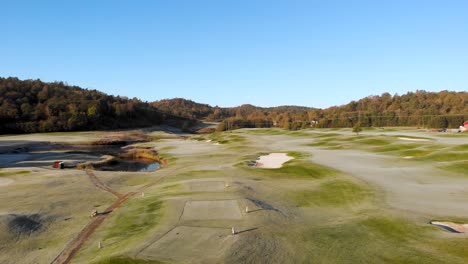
x=443, y=109
x=28, y=106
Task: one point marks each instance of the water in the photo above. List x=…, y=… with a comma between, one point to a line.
x=131, y=165
x=151, y=167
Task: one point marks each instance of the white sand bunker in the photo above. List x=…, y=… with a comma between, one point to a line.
x=5, y=181
x=207, y=186
x=210, y=210
x=185, y=244
x=273, y=161
x=453, y=227
x=413, y=139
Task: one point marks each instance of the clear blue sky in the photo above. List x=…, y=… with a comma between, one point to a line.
x=227, y=53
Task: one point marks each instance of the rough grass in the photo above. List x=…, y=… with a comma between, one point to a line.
x=415, y=153
x=298, y=155
x=453, y=135
x=372, y=240
x=196, y=174
x=295, y=169
x=267, y=131
x=395, y=147
x=413, y=137
x=126, y=260
x=326, y=135
x=13, y=173
x=463, y=147
x=373, y=142
x=136, y=218
x=335, y=193
x=458, y=168
x=446, y=156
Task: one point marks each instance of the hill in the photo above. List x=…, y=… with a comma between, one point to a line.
x=36, y=106
x=420, y=108
x=28, y=106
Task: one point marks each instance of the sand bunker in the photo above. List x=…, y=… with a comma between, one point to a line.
x=273, y=161
x=453, y=227
x=204, y=244
x=210, y=210
x=413, y=139
x=207, y=186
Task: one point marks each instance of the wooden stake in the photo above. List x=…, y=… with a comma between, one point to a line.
x=99, y=245
x=247, y=209
x=233, y=231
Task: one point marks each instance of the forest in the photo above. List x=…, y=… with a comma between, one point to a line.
x=443, y=109
x=28, y=106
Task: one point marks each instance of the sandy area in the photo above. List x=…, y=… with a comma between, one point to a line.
x=208, y=210
x=273, y=161
x=5, y=181
x=413, y=139
x=460, y=228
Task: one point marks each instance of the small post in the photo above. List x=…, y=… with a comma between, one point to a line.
x=233, y=231
x=99, y=245
x=226, y=185
x=142, y=194
x=247, y=209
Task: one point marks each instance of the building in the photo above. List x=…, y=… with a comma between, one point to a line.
x=464, y=127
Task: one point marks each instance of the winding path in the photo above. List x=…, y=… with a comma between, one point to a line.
x=99, y=184
x=76, y=243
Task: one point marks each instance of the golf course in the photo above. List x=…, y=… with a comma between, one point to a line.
x=242, y=196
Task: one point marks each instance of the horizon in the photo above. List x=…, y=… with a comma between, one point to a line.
x=221, y=106
x=265, y=54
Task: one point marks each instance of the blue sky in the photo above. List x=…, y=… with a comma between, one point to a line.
x=227, y=53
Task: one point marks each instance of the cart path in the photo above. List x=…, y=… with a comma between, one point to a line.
x=100, y=185
x=76, y=243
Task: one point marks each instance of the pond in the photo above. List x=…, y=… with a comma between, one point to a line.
x=139, y=165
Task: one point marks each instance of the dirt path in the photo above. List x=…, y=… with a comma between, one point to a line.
x=99, y=184
x=74, y=245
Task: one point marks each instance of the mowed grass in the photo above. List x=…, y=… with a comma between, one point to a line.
x=373, y=142
x=446, y=156
x=13, y=173
x=127, y=260
x=395, y=147
x=298, y=155
x=412, y=137
x=463, y=147
x=294, y=169
x=336, y=193
x=225, y=138
x=266, y=131
x=134, y=219
x=375, y=239
x=460, y=168
x=125, y=227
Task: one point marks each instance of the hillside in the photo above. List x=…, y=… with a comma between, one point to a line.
x=34, y=106
x=420, y=108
